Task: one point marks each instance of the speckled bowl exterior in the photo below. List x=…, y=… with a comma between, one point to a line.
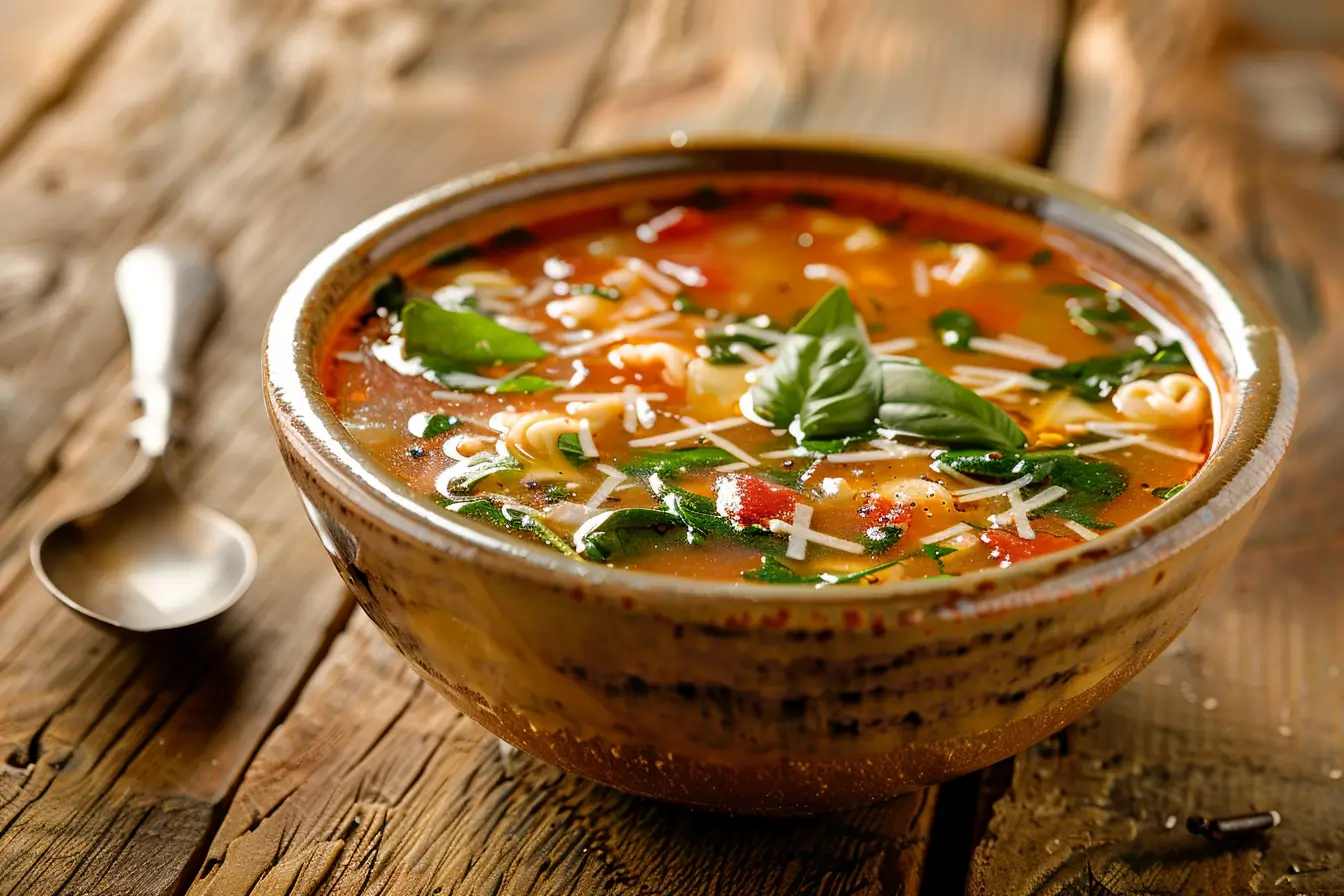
x=776, y=699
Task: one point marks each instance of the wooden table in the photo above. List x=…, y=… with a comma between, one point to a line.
x=290, y=751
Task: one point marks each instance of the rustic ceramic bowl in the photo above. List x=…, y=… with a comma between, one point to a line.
x=774, y=699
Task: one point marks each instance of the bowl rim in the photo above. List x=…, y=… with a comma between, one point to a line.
x=1239, y=467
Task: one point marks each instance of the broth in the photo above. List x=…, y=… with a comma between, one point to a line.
x=774, y=386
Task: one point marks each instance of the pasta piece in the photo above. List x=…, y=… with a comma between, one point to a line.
x=713, y=390
x=533, y=436
x=1177, y=401
x=671, y=359
x=577, y=310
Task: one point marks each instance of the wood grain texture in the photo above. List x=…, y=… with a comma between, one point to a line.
x=1233, y=137
x=270, y=136
x=407, y=796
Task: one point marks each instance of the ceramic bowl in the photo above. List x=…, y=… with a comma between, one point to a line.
x=774, y=699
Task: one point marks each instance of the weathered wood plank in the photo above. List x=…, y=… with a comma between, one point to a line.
x=1235, y=138
x=404, y=797
x=260, y=129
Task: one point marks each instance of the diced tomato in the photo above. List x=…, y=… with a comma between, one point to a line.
x=748, y=501
x=879, y=510
x=677, y=221
x=1008, y=547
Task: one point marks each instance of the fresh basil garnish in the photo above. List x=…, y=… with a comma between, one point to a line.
x=921, y=402
x=572, y=449
x=515, y=519
x=682, y=304
x=427, y=426
x=1090, y=484
x=720, y=345
x=1166, y=493
x=1040, y=258
x=526, y=384
x=955, y=329
x=1097, y=378
x=630, y=530
x=467, y=473
x=460, y=340
x=936, y=553
x=824, y=383
x=1089, y=290
x=880, y=539
x=675, y=461
x=775, y=572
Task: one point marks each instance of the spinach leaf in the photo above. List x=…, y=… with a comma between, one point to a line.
x=720, y=345
x=458, y=340
x=675, y=461
x=682, y=304
x=459, y=381
x=630, y=530
x=1089, y=290
x=1168, y=492
x=390, y=294
x=836, y=446
x=879, y=539
x=427, y=426
x=831, y=386
x=936, y=553
x=698, y=513
x=572, y=449
x=775, y=572
x=1040, y=258
x=1091, y=484
x=921, y=402
x=955, y=329
x=454, y=255
x=516, y=519
x=1097, y=378
x=465, y=474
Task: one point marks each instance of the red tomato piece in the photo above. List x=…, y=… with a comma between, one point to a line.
x=748, y=501
x=677, y=221
x=879, y=510
x=1009, y=547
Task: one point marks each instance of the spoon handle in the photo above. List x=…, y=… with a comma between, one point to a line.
x=169, y=297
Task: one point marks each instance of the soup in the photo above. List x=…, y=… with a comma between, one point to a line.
x=772, y=385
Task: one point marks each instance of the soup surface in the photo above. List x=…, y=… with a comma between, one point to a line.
x=773, y=386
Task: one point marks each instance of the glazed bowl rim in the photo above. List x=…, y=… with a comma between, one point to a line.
x=1240, y=466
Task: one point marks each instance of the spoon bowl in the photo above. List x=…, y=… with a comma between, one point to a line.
x=146, y=560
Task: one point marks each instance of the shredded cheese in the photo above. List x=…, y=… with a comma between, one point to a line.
x=826, y=272
x=1034, y=503
x=699, y=429
x=800, y=533
x=895, y=346
x=754, y=332
x=654, y=277
x=733, y=468
x=1110, y=445
x=691, y=276
x=1018, y=513
x=1032, y=354
x=721, y=442
x=441, y=395
x=969, y=495
x=617, y=334
x=921, y=274
x=944, y=535
x=1080, y=530
x=614, y=478
x=543, y=288
x=748, y=353
x=355, y=357
x=586, y=438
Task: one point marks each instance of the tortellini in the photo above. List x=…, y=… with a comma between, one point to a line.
x=534, y=436
x=671, y=359
x=1176, y=401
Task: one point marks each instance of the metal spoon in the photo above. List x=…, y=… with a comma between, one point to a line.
x=145, y=559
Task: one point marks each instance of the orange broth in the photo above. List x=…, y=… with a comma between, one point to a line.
x=743, y=501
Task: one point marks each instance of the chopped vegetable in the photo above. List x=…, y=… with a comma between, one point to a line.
x=1097, y=378
x=513, y=518
x=955, y=329
x=775, y=572
x=447, y=340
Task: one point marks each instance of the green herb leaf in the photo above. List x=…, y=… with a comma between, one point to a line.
x=833, y=314
x=1097, y=378
x=880, y=539
x=447, y=340
x=921, y=402
x=829, y=385
x=700, y=515
x=1089, y=290
x=1168, y=492
x=720, y=345
x=427, y=426
x=465, y=474
x=572, y=449
x=1040, y=258
x=390, y=294
x=675, y=461
x=682, y=304
x=1091, y=484
x=630, y=530
x=516, y=519
x=454, y=255
x=775, y=572
x=936, y=553
x=526, y=384
x=955, y=329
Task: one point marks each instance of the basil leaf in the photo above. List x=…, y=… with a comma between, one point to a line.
x=675, y=461
x=1091, y=484
x=776, y=573
x=1097, y=378
x=720, y=345
x=829, y=385
x=936, y=553
x=465, y=474
x=921, y=402
x=457, y=340
x=955, y=329
x=629, y=530
x=1040, y=258
x=454, y=255
x=390, y=294
x=1168, y=492
x=700, y=515
x=836, y=446
x=880, y=539
x=427, y=426
x=459, y=381
x=515, y=519
x=572, y=449
x=1089, y=290
x=833, y=314
x=682, y=304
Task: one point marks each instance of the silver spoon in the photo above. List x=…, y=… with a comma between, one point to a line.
x=147, y=560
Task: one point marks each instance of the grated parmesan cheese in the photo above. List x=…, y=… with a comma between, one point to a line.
x=1030, y=353
x=944, y=535
x=586, y=438
x=614, y=478
x=1080, y=530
